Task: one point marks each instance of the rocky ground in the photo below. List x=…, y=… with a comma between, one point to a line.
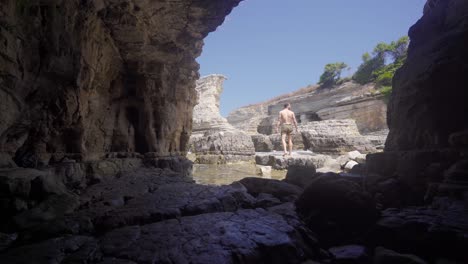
x=148, y=215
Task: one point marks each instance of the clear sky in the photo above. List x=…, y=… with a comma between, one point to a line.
x=271, y=47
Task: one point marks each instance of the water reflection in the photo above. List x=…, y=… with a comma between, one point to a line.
x=226, y=174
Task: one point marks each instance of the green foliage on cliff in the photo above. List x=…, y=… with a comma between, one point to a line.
x=332, y=73
x=385, y=60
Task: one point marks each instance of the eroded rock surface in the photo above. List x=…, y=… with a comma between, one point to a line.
x=84, y=78
x=347, y=101
x=214, y=140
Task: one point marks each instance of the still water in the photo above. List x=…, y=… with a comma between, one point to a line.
x=226, y=174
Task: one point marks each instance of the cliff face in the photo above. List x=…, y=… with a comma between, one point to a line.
x=430, y=91
x=82, y=79
x=348, y=101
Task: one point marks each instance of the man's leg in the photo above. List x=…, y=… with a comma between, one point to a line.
x=283, y=140
x=290, y=144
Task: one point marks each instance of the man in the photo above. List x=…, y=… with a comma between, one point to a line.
x=286, y=120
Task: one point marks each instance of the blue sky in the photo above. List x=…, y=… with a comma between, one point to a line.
x=271, y=47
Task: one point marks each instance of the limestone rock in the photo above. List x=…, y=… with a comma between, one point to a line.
x=280, y=162
x=232, y=145
x=214, y=140
x=206, y=115
x=334, y=137
x=346, y=101
x=262, y=143
x=111, y=76
x=350, y=165
x=263, y=170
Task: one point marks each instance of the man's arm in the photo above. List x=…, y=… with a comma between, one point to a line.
x=294, y=121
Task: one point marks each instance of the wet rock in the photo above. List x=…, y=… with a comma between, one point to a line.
x=279, y=189
x=336, y=208
x=387, y=256
x=350, y=254
x=262, y=143
x=243, y=236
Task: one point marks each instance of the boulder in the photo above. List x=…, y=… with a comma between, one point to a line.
x=336, y=208
x=357, y=156
x=334, y=137
x=300, y=176
x=233, y=145
x=279, y=189
x=330, y=165
x=350, y=165
x=262, y=143
x=280, y=162
x=435, y=231
x=263, y=170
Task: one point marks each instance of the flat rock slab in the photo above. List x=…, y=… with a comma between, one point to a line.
x=242, y=236
x=300, y=158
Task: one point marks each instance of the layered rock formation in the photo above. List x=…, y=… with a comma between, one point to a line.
x=327, y=137
x=429, y=90
x=428, y=135
x=214, y=140
x=85, y=78
x=347, y=101
x=206, y=113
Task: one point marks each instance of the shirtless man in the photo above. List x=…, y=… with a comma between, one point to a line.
x=286, y=120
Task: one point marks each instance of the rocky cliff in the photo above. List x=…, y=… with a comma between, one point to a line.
x=347, y=101
x=429, y=95
x=214, y=140
x=82, y=79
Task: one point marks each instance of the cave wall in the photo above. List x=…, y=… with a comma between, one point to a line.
x=430, y=92
x=82, y=79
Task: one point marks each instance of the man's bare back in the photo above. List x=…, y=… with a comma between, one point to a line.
x=287, y=117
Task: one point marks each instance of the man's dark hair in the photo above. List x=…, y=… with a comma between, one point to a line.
x=286, y=105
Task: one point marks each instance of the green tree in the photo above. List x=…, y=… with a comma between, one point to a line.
x=375, y=67
x=332, y=73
